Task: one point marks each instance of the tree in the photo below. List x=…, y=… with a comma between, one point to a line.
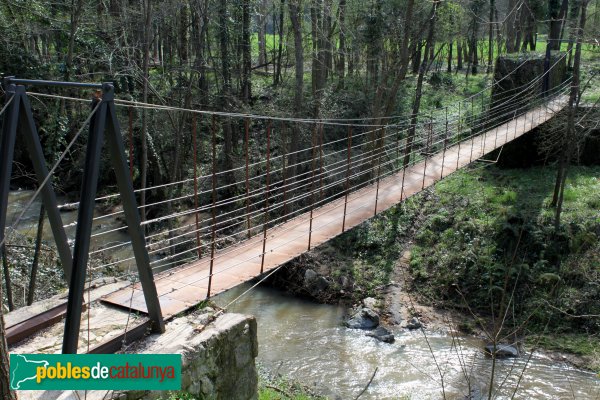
x=491, y=36
x=246, y=56
x=277, y=75
x=341, y=64
x=147, y=13
x=294, y=6
x=569, y=138
x=261, y=21
x=419, y=89
x=557, y=11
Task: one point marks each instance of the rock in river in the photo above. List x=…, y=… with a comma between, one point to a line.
x=414, y=323
x=382, y=334
x=364, y=318
x=502, y=350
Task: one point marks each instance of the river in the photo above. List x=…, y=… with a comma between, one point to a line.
x=307, y=342
x=18, y=199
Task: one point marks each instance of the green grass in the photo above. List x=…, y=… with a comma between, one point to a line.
x=281, y=388
x=271, y=43
x=178, y=395
x=581, y=345
x=272, y=394
x=529, y=191
x=478, y=220
x=576, y=344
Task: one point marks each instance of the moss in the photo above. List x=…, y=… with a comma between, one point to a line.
x=583, y=345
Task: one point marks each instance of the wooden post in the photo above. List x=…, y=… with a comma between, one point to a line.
x=347, y=176
x=284, y=169
x=398, y=146
x=404, y=166
x=472, y=135
x=459, y=137
x=196, y=205
x=321, y=171
x=214, y=201
x=445, y=144
x=516, y=119
x=429, y=134
x=381, y=145
x=131, y=142
x=312, y=184
x=485, y=126
x=268, y=178
x=246, y=145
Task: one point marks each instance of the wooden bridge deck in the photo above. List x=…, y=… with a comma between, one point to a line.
x=184, y=287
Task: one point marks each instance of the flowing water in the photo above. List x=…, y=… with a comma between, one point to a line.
x=18, y=199
x=306, y=342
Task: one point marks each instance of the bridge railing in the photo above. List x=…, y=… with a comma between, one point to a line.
x=280, y=168
x=285, y=183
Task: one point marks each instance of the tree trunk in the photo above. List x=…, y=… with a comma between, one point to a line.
x=530, y=28
x=573, y=105
x=315, y=41
x=491, y=36
x=262, y=35
x=147, y=13
x=418, y=90
x=511, y=26
x=183, y=31
x=277, y=77
x=326, y=34
x=557, y=18
x=449, y=68
x=474, y=60
x=572, y=39
x=459, y=53
x=341, y=63
x=385, y=100
x=76, y=7
x=416, y=63
x=295, y=6
x=246, y=56
x=201, y=26
x=226, y=91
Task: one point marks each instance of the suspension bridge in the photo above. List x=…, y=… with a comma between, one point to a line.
x=296, y=184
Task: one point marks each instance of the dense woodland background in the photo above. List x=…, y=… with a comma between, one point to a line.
x=319, y=59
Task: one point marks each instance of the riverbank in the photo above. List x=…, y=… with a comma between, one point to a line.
x=482, y=236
